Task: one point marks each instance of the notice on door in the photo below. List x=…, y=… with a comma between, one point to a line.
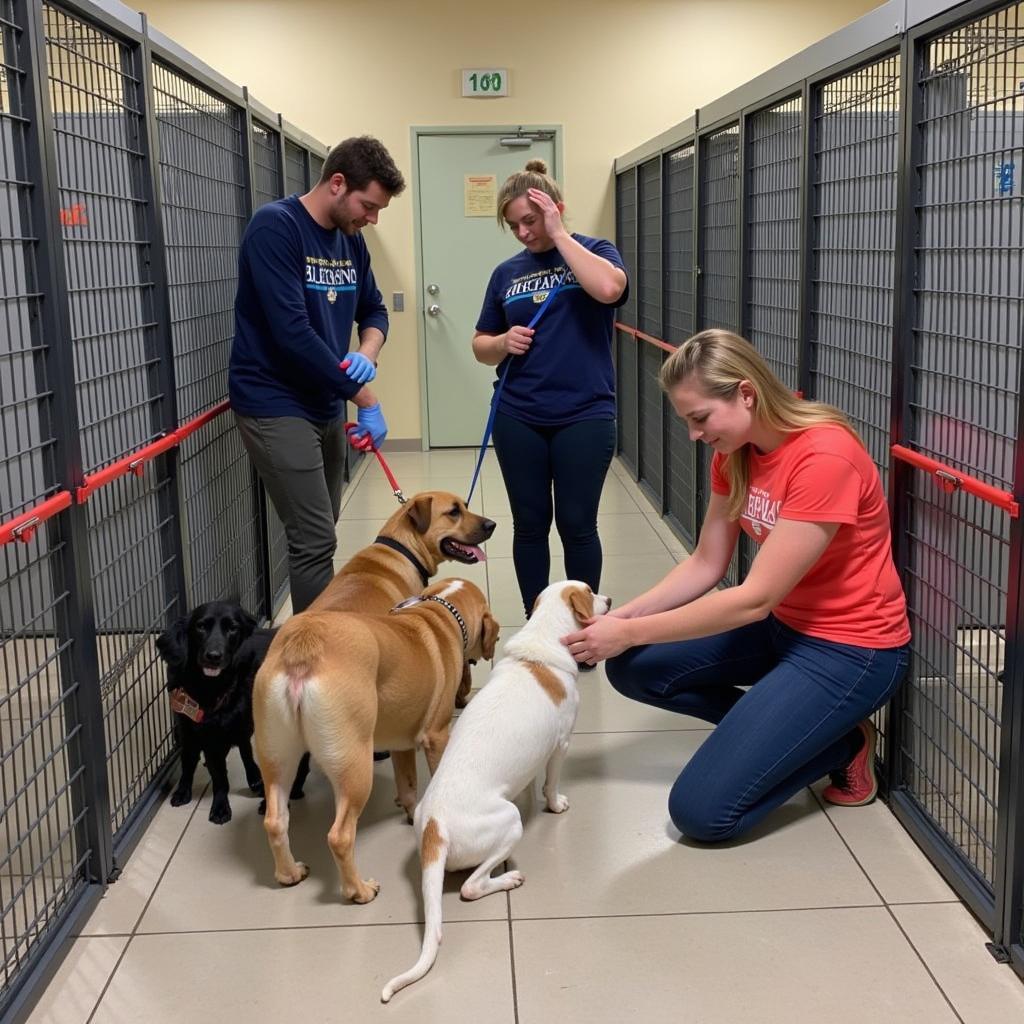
x=481, y=195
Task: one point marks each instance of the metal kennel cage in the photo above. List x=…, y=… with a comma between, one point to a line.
x=130, y=170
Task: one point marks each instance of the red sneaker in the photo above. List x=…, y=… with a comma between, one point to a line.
x=857, y=783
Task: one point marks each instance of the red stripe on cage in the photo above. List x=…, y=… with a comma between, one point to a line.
x=950, y=480
x=639, y=335
x=24, y=526
x=186, y=429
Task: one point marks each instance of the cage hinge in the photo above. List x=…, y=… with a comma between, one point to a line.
x=1000, y=953
x=114, y=875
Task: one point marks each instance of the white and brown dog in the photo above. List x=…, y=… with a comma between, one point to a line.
x=520, y=720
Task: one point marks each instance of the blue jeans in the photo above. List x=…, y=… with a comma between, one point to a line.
x=571, y=463
x=796, y=723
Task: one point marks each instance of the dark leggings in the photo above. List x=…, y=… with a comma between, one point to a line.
x=571, y=462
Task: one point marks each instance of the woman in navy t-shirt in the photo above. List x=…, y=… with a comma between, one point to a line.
x=554, y=431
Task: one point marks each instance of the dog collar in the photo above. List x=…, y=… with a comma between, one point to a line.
x=410, y=601
x=403, y=550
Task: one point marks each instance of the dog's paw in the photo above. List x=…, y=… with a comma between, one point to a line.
x=293, y=877
x=558, y=804
x=220, y=812
x=513, y=879
x=255, y=787
x=366, y=893
x=180, y=797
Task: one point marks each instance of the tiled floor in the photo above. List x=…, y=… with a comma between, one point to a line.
x=821, y=916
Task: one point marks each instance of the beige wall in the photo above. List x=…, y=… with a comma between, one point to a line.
x=613, y=74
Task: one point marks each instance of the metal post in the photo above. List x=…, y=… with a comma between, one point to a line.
x=808, y=102
x=83, y=710
x=259, y=492
x=907, y=233
x=160, y=343
x=742, y=210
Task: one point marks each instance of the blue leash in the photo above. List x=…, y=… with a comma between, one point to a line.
x=501, y=383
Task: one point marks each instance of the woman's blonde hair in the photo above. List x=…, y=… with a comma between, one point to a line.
x=721, y=360
x=534, y=176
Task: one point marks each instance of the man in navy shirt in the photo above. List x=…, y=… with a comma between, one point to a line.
x=304, y=280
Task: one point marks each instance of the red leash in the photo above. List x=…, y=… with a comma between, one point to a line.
x=367, y=444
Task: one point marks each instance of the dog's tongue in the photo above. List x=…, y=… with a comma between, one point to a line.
x=208, y=671
x=479, y=552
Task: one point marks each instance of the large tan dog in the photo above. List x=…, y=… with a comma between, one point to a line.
x=432, y=527
x=341, y=685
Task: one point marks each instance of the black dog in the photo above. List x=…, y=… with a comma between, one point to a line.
x=212, y=657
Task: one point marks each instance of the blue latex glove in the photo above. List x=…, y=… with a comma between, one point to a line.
x=359, y=368
x=371, y=429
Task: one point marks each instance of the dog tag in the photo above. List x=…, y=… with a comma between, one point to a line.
x=183, y=704
x=407, y=603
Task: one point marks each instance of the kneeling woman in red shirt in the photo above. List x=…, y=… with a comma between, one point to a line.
x=818, y=630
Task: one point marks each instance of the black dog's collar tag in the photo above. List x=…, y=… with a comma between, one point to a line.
x=407, y=603
x=183, y=704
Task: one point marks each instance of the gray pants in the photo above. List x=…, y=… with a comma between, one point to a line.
x=302, y=466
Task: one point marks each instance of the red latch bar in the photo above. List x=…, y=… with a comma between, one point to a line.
x=186, y=429
x=650, y=339
x=23, y=527
x=950, y=480
x=134, y=463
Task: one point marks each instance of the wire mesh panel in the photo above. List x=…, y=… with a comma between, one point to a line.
x=96, y=98
x=316, y=165
x=626, y=354
x=680, y=451
x=205, y=213
x=856, y=126
x=649, y=320
x=266, y=172
x=651, y=414
x=678, y=248
x=718, y=278
x=648, y=269
x=294, y=168
x=627, y=385
x=773, y=168
x=965, y=369
x=43, y=852
x=681, y=483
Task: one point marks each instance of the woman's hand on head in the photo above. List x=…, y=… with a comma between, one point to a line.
x=549, y=210
x=600, y=638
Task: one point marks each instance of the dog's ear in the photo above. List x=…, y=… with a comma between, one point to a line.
x=418, y=512
x=246, y=622
x=581, y=601
x=172, y=644
x=489, y=631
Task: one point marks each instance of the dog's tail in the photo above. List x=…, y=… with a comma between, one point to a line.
x=433, y=855
x=302, y=648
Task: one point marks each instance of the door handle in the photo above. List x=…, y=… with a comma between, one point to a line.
x=433, y=289
x=434, y=309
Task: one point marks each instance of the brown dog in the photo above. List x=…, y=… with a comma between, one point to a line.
x=432, y=527
x=340, y=685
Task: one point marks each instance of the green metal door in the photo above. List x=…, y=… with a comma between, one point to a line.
x=461, y=244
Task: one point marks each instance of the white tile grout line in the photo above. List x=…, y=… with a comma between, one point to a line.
x=888, y=908
x=135, y=928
